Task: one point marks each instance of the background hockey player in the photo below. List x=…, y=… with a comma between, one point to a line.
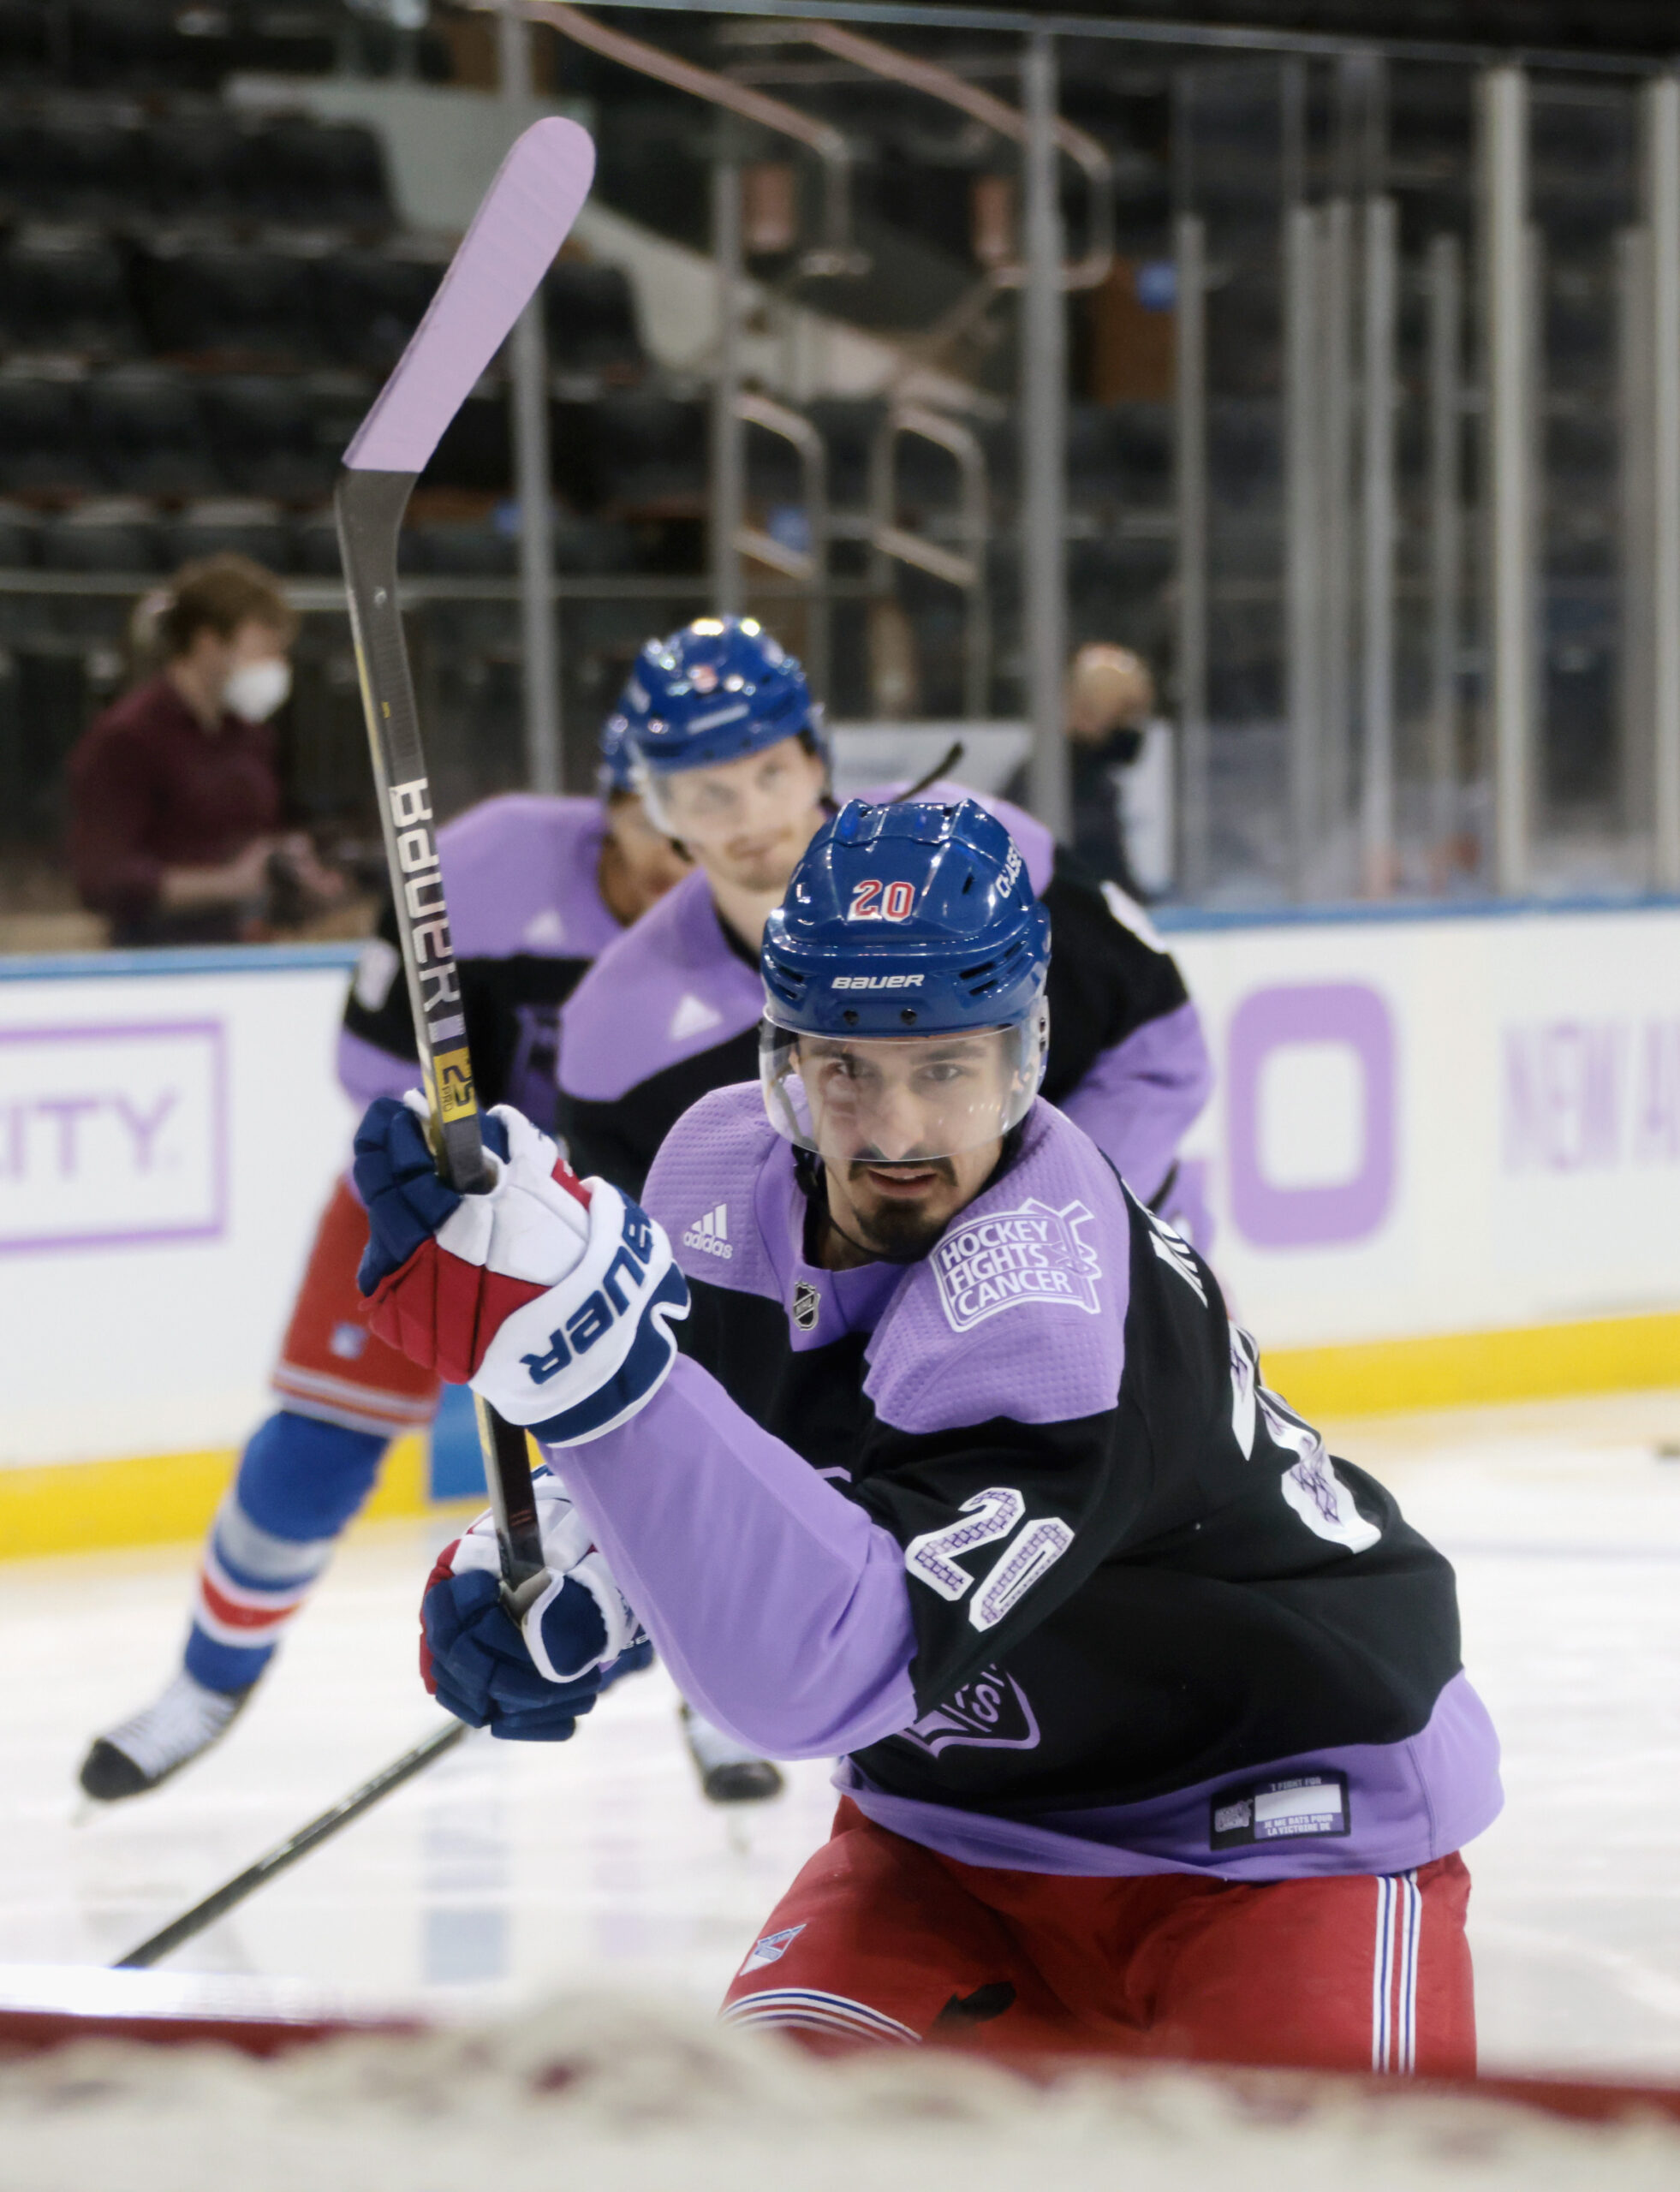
x=536, y=887
x=733, y=762
x=1158, y=1735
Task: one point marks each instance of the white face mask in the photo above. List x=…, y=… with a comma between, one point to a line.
x=256, y=689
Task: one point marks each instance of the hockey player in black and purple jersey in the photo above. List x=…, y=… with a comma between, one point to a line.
x=537, y=887
x=733, y=761
x=1156, y=1736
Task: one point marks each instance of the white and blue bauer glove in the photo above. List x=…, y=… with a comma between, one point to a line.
x=529, y=1684
x=552, y=1297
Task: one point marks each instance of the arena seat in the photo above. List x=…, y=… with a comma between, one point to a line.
x=23, y=41
x=322, y=174
x=75, y=163
x=241, y=526
x=20, y=536
x=262, y=429
x=65, y=289
x=474, y=453
x=117, y=533
x=43, y=445
x=222, y=300
x=482, y=550
x=590, y=314
x=201, y=164
x=315, y=544
x=651, y=450
x=369, y=302
x=146, y=435
x=137, y=45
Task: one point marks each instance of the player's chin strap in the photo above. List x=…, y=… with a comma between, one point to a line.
x=948, y=759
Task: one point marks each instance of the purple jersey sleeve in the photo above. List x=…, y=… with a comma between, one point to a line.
x=1140, y=1098
x=782, y=1609
x=364, y=1071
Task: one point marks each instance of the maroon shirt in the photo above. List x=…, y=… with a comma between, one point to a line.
x=151, y=789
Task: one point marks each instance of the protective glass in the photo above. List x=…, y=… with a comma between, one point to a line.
x=899, y=1098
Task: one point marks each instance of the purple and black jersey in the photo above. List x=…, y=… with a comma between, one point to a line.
x=528, y=919
x=672, y=1010
x=1018, y=1528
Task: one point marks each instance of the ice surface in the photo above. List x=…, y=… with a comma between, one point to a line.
x=511, y=1871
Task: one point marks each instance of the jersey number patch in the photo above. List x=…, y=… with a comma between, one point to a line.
x=989, y=1515
x=1312, y=1486
x=870, y=903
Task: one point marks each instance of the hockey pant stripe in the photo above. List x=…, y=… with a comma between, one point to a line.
x=1394, y=1975
x=807, y=2009
x=355, y=1408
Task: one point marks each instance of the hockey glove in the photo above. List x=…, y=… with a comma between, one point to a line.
x=533, y=1683
x=552, y=1298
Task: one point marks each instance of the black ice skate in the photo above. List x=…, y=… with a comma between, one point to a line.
x=729, y=1773
x=133, y=1758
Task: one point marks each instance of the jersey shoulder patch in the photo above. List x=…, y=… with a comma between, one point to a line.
x=664, y=989
x=716, y=1169
x=1020, y=1309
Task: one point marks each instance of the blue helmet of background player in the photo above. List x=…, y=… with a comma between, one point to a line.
x=719, y=688
x=908, y=925
x=615, y=771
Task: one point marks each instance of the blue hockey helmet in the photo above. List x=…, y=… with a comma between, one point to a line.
x=720, y=688
x=913, y=920
x=615, y=771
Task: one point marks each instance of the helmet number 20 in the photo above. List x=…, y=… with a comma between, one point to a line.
x=870, y=903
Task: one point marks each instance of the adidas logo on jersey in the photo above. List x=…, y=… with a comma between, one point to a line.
x=710, y=1235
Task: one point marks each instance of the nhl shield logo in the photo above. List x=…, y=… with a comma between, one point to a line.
x=1035, y=1254
x=807, y=1306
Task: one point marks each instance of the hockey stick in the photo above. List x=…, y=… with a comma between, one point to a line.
x=523, y=222
x=284, y=1854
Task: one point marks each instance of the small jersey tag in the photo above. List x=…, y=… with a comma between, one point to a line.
x=1271, y=1811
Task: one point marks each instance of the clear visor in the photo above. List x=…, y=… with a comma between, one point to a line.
x=898, y=1099
x=652, y=789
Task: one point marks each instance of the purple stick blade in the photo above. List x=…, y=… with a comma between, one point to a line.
x=525, y=217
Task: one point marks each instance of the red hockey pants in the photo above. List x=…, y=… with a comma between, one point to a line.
x=880, y=1940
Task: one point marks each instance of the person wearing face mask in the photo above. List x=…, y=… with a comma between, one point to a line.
x=175, y=804
x=732, y=760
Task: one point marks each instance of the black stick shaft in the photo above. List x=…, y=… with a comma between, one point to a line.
x=286, y=1853
x=370, y=507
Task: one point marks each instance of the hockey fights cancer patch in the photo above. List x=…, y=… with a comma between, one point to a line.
x=1035, y=1254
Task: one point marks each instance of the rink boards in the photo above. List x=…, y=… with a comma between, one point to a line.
x=1442, y=1160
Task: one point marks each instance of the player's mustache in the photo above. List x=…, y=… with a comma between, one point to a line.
x=870, y=1162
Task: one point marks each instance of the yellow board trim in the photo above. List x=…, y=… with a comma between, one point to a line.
x=157, y=1498
x=161, y=1498
x=1608, y=1354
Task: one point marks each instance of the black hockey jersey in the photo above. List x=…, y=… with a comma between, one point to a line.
x=1020, y=1527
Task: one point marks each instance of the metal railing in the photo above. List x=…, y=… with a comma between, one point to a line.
x=806, y=567
x=891, y=542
